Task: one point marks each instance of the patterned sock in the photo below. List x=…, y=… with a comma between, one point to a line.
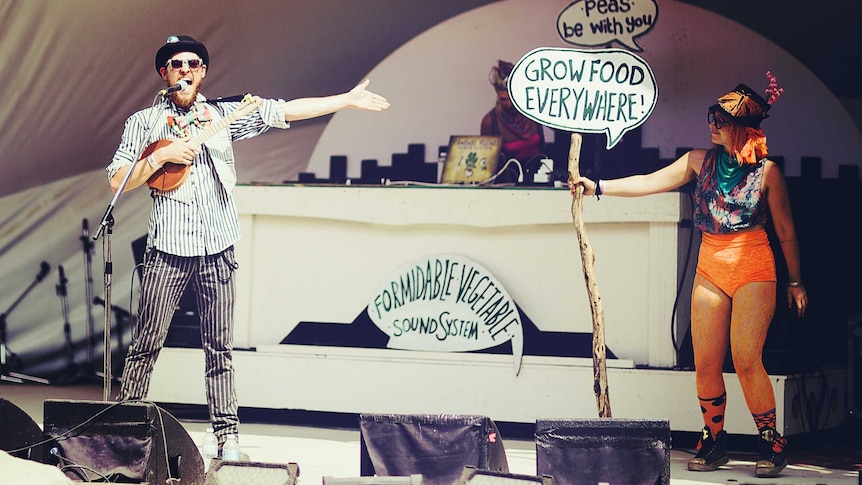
x=767, y=420
x=713, y=412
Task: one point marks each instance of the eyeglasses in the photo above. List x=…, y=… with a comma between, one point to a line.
x=177, y=64
x=718, y=121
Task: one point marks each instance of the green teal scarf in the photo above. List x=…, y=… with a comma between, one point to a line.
x=728, y=171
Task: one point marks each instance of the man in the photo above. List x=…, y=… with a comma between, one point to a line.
x=193, y=224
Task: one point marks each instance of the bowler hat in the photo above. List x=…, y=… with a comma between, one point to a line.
x=180, y=43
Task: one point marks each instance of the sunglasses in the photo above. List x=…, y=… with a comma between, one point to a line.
x=177, y=64
x=718, y=121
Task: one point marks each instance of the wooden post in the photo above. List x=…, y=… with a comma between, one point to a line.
x=600, y=373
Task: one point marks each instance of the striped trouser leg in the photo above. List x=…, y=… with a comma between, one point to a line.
x=164, y=279
x=216, y=290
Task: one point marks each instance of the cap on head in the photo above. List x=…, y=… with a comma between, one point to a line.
x=180, y=43
x=499, y=75
x=743, y=106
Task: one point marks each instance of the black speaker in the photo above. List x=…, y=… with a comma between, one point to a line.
x=251, y=473
x=474, y=476
x=604, y=450
x=126, y=442
x=20, y=435
x=438, y=447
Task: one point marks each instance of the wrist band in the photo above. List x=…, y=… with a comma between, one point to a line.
x=794, y=284
x=599, y=190
x=152, y=161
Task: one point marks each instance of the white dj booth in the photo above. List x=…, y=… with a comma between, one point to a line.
x=318, y=253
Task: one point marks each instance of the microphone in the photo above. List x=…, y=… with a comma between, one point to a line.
x=180, y=86
x=61, y=286
x=44, y=269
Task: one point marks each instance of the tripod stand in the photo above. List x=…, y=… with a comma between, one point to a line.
x=6, y=355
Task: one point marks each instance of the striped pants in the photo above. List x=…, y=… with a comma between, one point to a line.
x=164, y=280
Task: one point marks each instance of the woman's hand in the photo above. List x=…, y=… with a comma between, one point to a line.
x=588, y=185
x=796, y=295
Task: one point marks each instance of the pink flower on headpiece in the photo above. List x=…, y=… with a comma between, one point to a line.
x=773, y=91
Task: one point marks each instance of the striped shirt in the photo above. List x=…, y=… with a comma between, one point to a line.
x=199, y=217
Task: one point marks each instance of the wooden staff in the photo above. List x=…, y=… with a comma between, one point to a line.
x=600, y=372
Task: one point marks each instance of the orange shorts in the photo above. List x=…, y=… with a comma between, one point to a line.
x=731, y=260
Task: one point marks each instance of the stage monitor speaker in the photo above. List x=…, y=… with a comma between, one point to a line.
x=125, y=442
x=604, y=450
x=20, y=435
x=414, y=479
x=438, y=447
x=251, y=473
x=473, y=476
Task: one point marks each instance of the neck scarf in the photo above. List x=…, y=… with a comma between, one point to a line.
x=728, y=171
x=517, y=123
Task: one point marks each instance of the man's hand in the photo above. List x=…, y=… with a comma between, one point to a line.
x=360, y=98
x=178, y=151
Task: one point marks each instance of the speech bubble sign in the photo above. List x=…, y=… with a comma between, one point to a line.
x=446, y=303
x=607, y=91
x=593, y=23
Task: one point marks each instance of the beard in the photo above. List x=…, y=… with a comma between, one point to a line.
x=185, y=98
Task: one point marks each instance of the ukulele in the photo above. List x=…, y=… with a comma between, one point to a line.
x=172, y=175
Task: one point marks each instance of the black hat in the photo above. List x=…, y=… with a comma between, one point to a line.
x=180, y=43
x=743, y=106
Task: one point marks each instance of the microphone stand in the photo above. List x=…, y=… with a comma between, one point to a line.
x=72, y=371
x=7, y=355
x=88, y=267
x=106, y=225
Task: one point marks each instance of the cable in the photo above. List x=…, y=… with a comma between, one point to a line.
x=673, y=322
x=170, y=478
x=500, y=172
x=68, y=465
x=131, y=302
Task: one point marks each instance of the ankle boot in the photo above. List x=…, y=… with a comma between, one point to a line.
x=771, y=462
x=712, y=453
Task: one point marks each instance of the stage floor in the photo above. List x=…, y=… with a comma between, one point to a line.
x=330, y=447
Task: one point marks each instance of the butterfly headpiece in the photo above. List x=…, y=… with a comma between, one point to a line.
x=745, y=107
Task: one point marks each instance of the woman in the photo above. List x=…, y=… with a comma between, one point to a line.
x=733, y=298
x=522, y=138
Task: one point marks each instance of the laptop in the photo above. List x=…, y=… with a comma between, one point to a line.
x=471, y=159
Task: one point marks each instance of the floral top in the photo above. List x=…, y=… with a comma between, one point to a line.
x=741, y=206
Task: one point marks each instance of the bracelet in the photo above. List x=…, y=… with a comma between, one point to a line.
x=794, y=284
x=599, y=190
x=152, y=161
